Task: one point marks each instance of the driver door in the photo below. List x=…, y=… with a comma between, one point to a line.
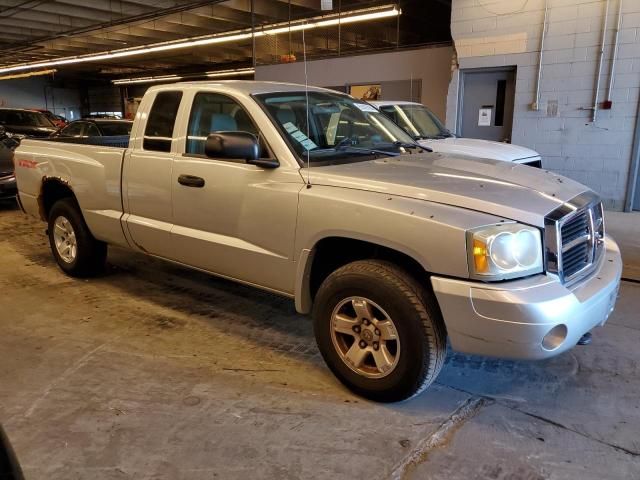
x=231, y=218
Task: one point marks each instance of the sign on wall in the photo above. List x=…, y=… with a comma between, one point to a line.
x=484, y=116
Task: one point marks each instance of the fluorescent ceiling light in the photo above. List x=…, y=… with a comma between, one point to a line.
x=315, y=22
x=28, y=74
x=231, y=73
x=159, y=78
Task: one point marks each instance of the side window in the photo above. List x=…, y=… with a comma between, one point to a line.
x=213, y=112
x=399, y=117
x=73, y=130
x=159, y=131
x=91, y=130
x=390, y=112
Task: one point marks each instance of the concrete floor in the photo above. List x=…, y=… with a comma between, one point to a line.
x=155, y=372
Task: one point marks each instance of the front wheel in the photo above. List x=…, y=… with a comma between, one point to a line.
x=75, y=249
x=379, y=330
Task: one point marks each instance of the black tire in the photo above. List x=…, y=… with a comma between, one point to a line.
x=413, y=310
x=91, y=253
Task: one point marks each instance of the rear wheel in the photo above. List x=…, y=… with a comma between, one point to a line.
x=379, y=330
x=77, y=252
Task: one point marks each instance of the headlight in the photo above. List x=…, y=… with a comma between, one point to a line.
x=504, y=251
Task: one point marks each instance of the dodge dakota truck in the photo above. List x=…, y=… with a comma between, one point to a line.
x=319, y=197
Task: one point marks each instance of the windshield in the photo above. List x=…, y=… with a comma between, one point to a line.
x=115, y=128
x=24, y=118
x=340, y=129
x=417, y=120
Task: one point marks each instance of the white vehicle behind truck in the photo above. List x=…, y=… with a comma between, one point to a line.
x=427, y=129
x=321, y=198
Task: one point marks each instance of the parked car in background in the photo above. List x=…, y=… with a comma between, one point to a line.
x=423, y=125
x=21, y=123
x=106, y=116
x=57, y=120
x=8, y=188
x=98, y=127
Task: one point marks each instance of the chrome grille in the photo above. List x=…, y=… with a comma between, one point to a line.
x=574, y=237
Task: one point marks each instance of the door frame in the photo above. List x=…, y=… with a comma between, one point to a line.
x=464, y=72
x=634, y=168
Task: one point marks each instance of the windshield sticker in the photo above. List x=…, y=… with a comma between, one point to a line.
x=308, y=144
x=289, y=127
x=365, y=107
x=300, y=137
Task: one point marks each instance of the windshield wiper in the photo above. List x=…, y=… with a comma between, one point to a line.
x=373, y=151
x=410, y=145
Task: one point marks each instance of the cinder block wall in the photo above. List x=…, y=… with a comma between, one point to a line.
x=491, y=33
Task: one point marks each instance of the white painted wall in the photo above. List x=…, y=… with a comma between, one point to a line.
x=431, y=65
x=492, y=33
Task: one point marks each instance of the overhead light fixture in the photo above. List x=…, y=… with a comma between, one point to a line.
x=353, y=16
x=159, y=78
x=231, y=73
x=29, y=74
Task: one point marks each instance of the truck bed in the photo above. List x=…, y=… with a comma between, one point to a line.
x=119, y=141
x=91, y=170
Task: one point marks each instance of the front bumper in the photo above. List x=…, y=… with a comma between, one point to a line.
x=511, y=319
x=8, y=187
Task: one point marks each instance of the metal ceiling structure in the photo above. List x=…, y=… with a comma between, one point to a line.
x=40, y=31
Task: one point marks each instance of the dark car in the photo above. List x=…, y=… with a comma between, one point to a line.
x=8, y=188
x=57, y=120
x=9, y=467
x=95, y=128
x=106, y=116
x=22, y=123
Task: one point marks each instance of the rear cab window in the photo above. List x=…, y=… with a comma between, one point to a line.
x=72, y=130
x=158, y=133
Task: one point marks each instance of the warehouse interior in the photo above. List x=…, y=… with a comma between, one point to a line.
x=159, y=371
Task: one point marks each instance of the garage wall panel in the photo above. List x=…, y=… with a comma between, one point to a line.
x=39, y=93
x=104, y=99
x=495, y=33
x=430, y=65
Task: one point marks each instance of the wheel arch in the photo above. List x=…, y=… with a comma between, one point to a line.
x=331, y=252
x=52, y=190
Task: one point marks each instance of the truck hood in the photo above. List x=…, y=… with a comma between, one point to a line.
x=474, y=147
x=507, y=190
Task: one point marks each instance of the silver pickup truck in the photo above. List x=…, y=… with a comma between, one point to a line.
x=319, y=197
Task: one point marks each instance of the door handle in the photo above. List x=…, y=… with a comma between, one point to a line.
x=191, y=181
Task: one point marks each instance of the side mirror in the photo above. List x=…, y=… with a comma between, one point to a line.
x=237, y=145
x=234, y=145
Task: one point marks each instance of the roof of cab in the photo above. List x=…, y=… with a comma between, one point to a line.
x=382, y=103
x=243, y=86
